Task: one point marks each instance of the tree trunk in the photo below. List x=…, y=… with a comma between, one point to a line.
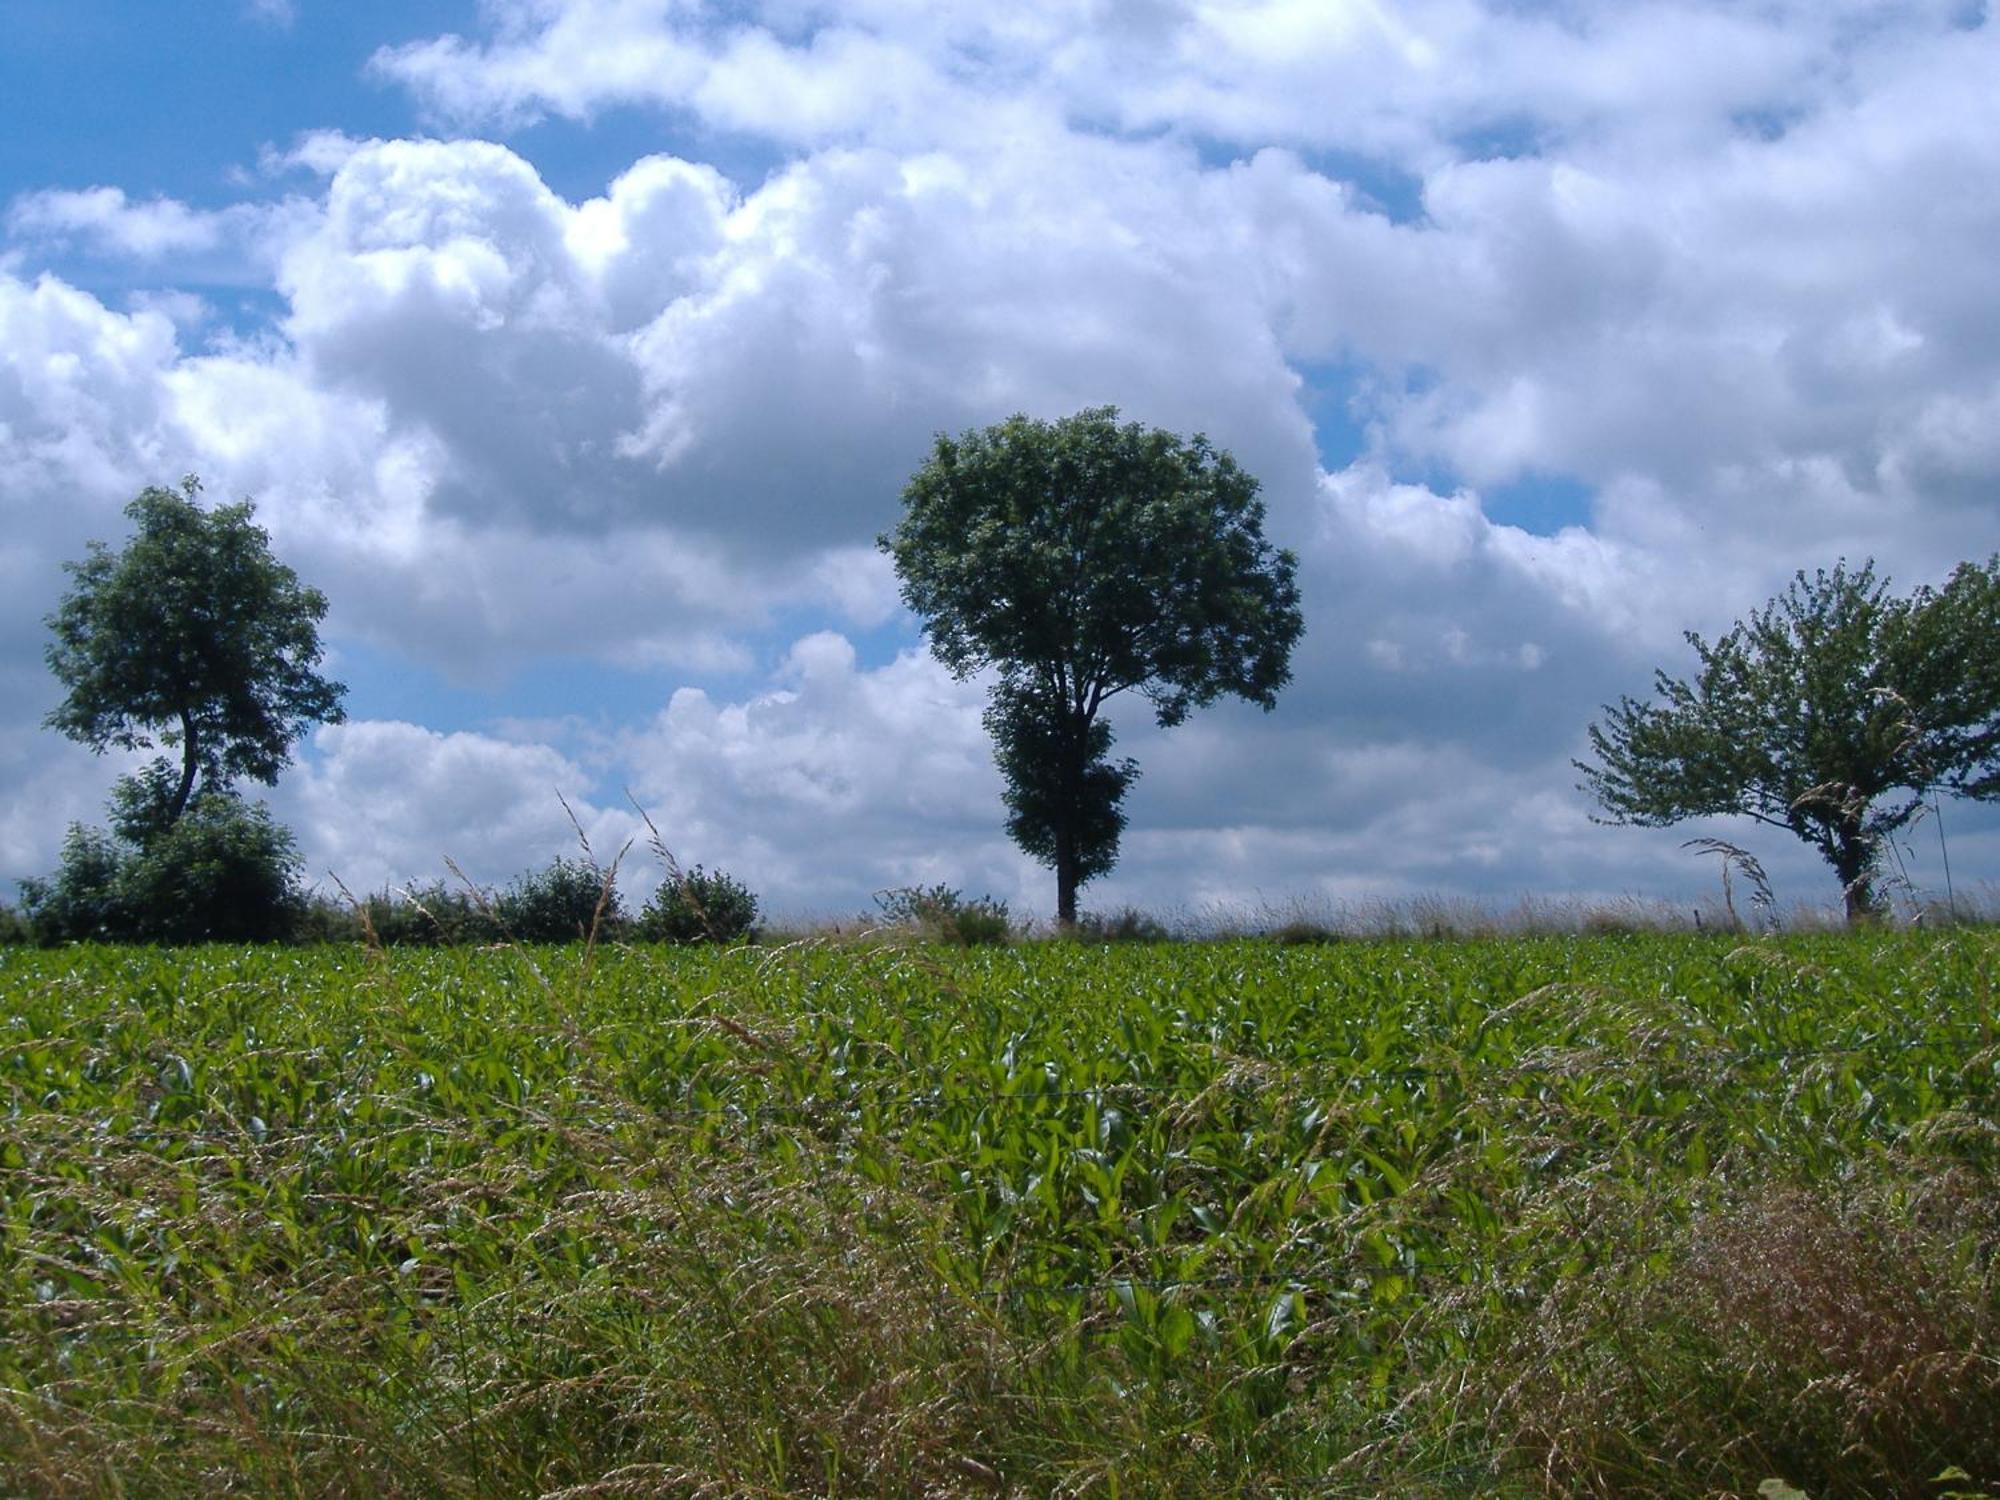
x=1069, y=864
x=190, y=763
x=1066, y=881
x=1854, y=862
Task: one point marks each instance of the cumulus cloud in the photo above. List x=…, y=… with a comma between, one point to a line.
x=1420, y=82
x=110, y=221
x=1723, y=272
x=835, y=782
x=382, y=803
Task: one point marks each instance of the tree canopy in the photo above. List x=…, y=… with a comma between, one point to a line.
x=1834, y=713
x=1084, y=558
x=193, y=636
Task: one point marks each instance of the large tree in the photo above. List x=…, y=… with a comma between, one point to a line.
x=194, y=636
x=1834, y=713
x=1083, y=559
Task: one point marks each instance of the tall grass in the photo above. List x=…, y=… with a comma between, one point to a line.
x=1639, y=1215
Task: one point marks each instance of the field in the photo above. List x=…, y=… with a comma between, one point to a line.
x=1629, y=1215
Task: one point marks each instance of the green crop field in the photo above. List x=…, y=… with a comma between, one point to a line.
x=1642, y=1215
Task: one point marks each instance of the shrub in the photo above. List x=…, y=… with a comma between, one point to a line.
x=946, y=915
x=699, y=906
x=1301, y=932
x=14, y=927
x=224, y=872
x=565, y=902
x=441, y=916
x=428, y=916
x=79, y=902
x=1126, y=925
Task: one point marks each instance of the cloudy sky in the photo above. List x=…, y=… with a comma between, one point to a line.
x=579, y=350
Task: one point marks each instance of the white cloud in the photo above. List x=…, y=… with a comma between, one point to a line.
x=1418, y=82
x=835, y=782
x=1725, y=271
x=109, y=220
x=383, y=803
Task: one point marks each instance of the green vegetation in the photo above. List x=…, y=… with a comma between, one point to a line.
x=1835, y=713
x=1641, y=1215
x=699, y=906
x=1083, y=559
x=946, y=915
x=566, y=901
x=193, y=636
x=222, y=871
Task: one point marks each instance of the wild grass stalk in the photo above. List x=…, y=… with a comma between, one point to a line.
x=1662, y=1216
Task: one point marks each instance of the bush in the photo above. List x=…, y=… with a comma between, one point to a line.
x=15, y=929
x=440, y=916
x=430, y=916
x=225, y=872
x=1127, y=925
x=567, y=901
x=1301, y=932
x=946, y=915
x=699, y=906
x=80, y=901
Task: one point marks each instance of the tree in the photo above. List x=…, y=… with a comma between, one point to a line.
x=194, y=636
x=1083, y=559
x=1833, y=713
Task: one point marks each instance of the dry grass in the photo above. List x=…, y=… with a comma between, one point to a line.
x=566, y=1280
x=742, y=1330
x=1846, y=1342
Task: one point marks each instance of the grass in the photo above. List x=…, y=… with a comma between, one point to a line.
x=1624, y=1215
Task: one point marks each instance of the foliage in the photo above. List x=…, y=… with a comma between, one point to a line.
x=1126, y=925
x=224, y=872
x=80, y=902
x=1833, y=713
x=566, y=901
x=1060, y=781
x=1649, y=1216
x=699, y=906
x=428, y=916
x=946, y=914
x=1084, y=559
x=14, y=927
x=1302, y=932
x=192, y=636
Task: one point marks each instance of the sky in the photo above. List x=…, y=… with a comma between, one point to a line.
x=579, y=350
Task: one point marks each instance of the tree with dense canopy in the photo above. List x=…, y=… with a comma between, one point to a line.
x=1835, y=713
x=194, y=636
x=1082, y=559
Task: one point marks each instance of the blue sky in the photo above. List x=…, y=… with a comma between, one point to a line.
x=177, y=99
x=579, y=349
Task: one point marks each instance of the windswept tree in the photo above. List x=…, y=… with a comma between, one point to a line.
x=193, y=637
x=1083, y=559
x=1834, y=713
